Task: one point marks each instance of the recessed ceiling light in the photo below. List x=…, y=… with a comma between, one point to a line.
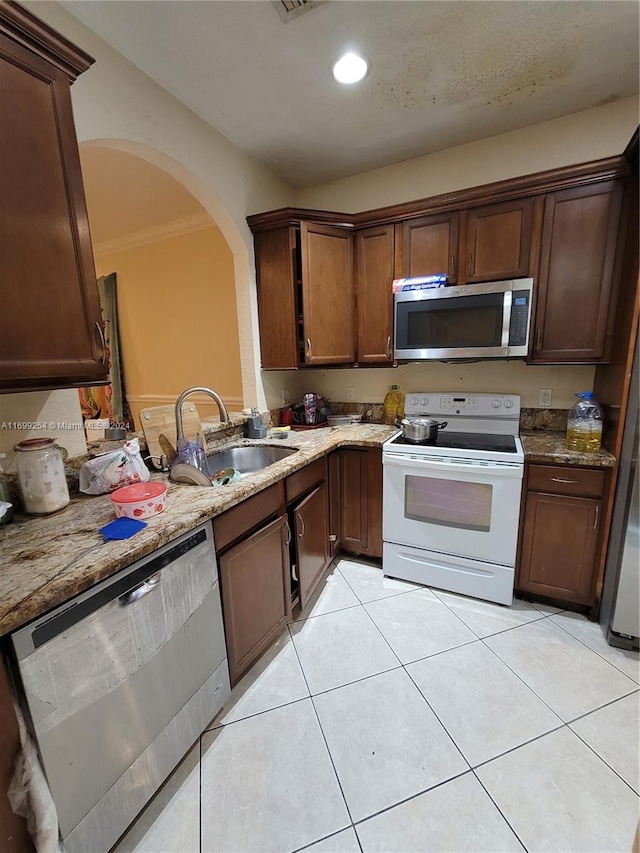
x=350, y=68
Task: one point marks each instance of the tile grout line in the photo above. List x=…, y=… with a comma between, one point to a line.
x=315, y=711
x=613, y=770
x=594, y=650
x=420, y=691
x=524, y=846
x=605, y=705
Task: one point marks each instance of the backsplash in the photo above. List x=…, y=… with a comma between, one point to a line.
x=547, y=419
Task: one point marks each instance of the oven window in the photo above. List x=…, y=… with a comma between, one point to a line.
x=451, y=503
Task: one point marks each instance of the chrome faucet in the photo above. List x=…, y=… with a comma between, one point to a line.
x=224, y=415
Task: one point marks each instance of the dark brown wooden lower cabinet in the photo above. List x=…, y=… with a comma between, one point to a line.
x=312, y=540
x=559, y=547
x=256, y=594
x=334, y=502
x=361, y=500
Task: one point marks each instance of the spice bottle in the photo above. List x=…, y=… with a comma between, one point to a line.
x=43, y=483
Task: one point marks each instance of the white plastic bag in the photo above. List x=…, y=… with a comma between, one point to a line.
x=113, y=470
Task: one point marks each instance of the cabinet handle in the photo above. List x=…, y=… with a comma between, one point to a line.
x=389, y=347
x=470, y=263
x=286, y=524
x=538, y=345
x=333, y=537
x=452, y=265
x=595, y=521
x=562, y=480
x=103, y=343
x=301, y=523
x=308, y=348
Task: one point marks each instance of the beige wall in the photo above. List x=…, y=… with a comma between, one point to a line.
x=505, y=377
x=58, y=413
x=178, y=320
x=578, y=138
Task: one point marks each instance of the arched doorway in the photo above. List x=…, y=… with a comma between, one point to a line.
x=177, y=277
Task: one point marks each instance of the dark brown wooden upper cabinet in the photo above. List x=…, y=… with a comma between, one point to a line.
x=430, y=246
x=327, y=294
x=277, y=310
x=575, y=284
x=374, y=253
x=50, y=326
x=498, y=241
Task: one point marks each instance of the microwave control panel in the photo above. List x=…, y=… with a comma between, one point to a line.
x=518, y=325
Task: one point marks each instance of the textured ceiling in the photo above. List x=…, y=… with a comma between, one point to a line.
x=443, y=74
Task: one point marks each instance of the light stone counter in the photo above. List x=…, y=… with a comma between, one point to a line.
x=550, y=446
x=45, y=561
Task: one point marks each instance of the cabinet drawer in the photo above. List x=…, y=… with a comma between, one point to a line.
x=300, y=482
x=566, y=480
x=235, y=522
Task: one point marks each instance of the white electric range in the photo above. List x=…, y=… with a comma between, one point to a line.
x=451, y=509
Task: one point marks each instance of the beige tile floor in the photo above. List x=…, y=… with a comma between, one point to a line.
x=396, y=719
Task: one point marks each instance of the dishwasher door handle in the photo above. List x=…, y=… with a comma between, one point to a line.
x=139, y=591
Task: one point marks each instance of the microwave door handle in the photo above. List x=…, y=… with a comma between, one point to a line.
x=499, y=469
x=506, y=319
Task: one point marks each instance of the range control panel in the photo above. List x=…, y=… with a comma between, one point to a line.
x=472, y=405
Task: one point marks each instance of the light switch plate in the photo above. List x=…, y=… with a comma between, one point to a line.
x=350, y=389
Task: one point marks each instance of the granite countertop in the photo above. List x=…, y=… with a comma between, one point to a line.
x=550, y=446
x=45, y=561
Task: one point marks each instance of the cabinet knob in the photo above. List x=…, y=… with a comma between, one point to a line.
x=103, y=343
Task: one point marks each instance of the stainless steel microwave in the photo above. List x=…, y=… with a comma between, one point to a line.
x=489, y=320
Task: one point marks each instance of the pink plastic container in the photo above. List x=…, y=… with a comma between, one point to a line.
x=139, y=500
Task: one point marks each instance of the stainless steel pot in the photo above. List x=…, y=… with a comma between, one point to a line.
x=420, y=430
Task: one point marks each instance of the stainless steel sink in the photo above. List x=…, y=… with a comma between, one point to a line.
x=246, y=460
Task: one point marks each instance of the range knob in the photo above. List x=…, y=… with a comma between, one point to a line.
x=496, y=403
x=424, y=401
x=508, y=404
x=414, y=401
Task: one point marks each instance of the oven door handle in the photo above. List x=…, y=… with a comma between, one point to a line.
x=452, y=467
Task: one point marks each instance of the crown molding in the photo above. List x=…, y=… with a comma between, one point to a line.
x=178, y=228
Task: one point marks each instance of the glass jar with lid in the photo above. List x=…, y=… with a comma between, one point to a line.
x=43, y=484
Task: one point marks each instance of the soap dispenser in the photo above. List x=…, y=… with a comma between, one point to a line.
x=254, y=428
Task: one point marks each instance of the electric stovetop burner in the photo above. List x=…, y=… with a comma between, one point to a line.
x=464, y=441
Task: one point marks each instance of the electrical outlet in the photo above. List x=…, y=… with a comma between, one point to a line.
x=545, y=397
x=350, y=392
x=286, y=396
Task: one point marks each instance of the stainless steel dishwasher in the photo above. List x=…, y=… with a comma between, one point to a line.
x=119, y=683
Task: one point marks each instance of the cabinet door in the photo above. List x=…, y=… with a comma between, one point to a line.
x=335, y=481
x=327, y=294
x=50, y=323
x=256, y=594
x=354, y=502
x=374, y=298
x=312, y=541
x=559, y=547
x=499, y=241
x=374, y=502
x=576, y=274
x=430, y=245
x=277, y=310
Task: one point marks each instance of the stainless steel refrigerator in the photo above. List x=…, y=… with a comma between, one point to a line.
x=620, y=610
